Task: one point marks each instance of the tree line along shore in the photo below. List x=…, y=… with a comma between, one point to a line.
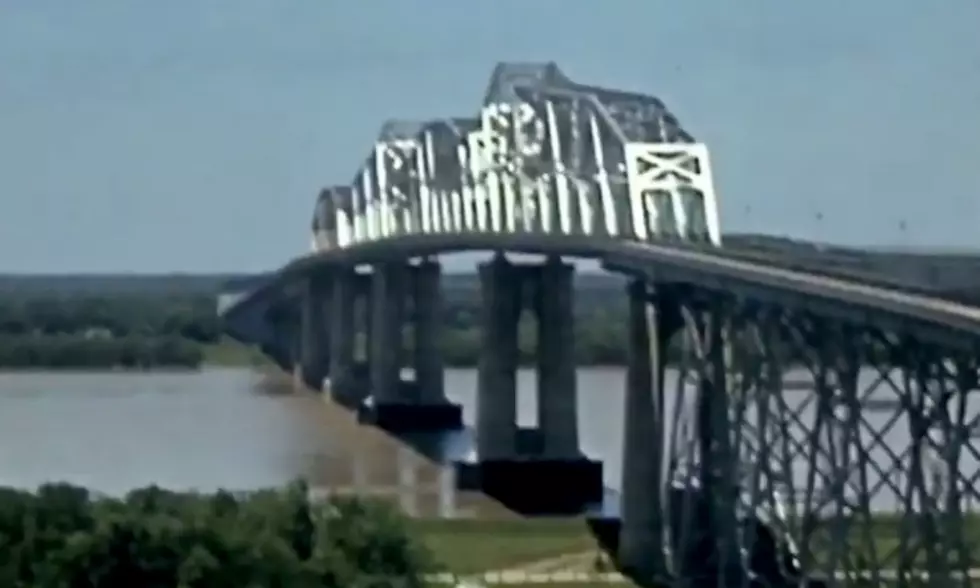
x=64, y=535
x=145, y=329
x=178, y=327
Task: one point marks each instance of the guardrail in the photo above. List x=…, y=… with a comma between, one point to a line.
x=814, y=265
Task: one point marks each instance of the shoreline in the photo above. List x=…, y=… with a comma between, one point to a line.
x=229, y=354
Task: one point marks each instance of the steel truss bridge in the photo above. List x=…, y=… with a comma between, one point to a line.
x=838, y=409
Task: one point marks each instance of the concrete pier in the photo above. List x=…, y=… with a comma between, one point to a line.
x=387, y=316
x=314, y=349
x=349, y=312
x=642, y=524
x=427, y=354
x=557, y=381
x=496, y=412
x=282, y=346
x=534, y=471
x=343, y=334
x=397, y=405
x=365, y=329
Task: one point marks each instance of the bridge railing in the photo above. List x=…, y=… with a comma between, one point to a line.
x=544, y=155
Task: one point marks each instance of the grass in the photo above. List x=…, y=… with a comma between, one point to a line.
x=885, y=534
x=468, y=546
x=472, y=546
x=594, y=584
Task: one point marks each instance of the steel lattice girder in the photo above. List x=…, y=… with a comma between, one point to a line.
x=857, y=443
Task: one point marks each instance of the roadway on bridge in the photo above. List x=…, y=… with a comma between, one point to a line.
x=702, y=266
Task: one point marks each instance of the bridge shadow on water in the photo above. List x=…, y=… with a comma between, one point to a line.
x=420, y=473
x=427, y=473
x=527, y=485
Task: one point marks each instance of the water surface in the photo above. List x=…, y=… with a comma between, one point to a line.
x=242, y=429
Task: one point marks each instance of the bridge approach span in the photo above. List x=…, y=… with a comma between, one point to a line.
x=702, y=267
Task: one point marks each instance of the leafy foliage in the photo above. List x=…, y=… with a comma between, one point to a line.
x=190, y=317
x=131, y=331
x=61, y=536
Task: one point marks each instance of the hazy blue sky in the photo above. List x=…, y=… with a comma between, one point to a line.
x=179, y=135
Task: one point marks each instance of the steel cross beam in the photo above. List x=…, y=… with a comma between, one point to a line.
x=857, y=446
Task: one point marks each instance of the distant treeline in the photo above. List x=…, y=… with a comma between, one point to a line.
x=92, y=331
x=132, y=315
x=81, y=352
x=134, y=328
x=149, y=330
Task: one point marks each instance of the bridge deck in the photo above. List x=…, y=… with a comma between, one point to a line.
x=703, y=267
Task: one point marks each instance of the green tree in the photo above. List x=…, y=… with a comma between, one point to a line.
x=62, y=536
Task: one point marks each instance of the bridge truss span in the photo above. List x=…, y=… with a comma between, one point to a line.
x=543, y=156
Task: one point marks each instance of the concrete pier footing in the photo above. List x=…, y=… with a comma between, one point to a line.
x=387, y=315
x=350, y=336
x=395, y=404
x=542, y=470
x=343, y=331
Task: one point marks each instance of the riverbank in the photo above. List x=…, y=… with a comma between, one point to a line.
x=231, y=353
x=549, y=546
x=471, y=546
x=31, y=353
x=96, y=350
x=65, y=352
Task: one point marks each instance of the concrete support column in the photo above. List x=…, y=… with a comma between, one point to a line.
x=294, y=343
x=496, y=430
x=557, y=402
x=364, y=309
x=313, y=346
x=643, y=519
x=342, y=332
x=427, y=299
x=283, y=346
x=397, y=406
x=387, y=316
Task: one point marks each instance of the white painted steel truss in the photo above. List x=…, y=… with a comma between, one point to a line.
x=549, y=161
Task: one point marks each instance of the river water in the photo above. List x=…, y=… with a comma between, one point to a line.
x=243, y=429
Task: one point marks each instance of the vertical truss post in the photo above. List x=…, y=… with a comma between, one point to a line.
x=717, y=474
x=603, y=179
x=705, y=537
x=558, y=204
x=767, y=549
x=358, y=211
x=424, y=171
x=957, y=387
